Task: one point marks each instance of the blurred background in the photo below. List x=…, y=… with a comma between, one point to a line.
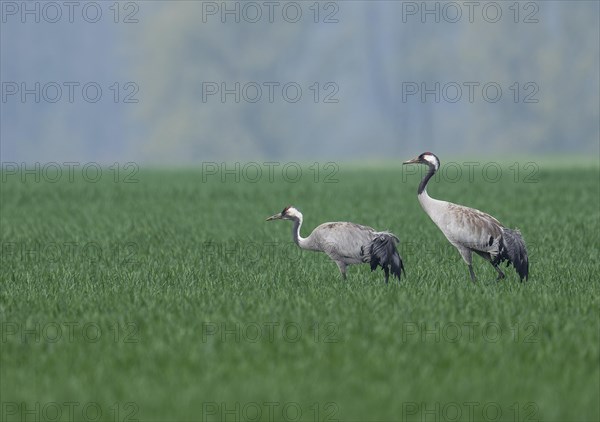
x=178, y=83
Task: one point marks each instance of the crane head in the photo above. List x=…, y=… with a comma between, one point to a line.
x=427, y=158
x=288, y=213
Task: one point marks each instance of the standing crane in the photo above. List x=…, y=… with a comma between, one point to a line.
x=470, y=230
x=347, y=243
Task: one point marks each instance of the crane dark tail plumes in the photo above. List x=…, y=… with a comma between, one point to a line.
x=383, y=253
x=513, y=250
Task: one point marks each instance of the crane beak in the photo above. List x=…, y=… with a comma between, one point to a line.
x=277, y=216
x=413, y=161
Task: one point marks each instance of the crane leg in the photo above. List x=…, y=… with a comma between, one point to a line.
x=342, y=268
x=386, y=270
x=467, y=257
x=473, y=278
x=500, y=273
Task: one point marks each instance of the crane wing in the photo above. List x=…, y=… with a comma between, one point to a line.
x=343, y=241
x=471, y=228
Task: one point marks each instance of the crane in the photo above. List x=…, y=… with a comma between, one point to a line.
x=347, y=243
x=470, y=230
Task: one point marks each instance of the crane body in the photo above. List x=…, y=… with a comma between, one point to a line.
x=347, y=243
x=470, y=230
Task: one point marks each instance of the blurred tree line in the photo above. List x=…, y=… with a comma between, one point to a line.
x=357, y=65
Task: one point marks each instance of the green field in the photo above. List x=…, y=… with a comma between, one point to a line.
x=171, y=299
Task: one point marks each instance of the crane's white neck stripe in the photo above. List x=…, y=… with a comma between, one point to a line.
x=431, y=159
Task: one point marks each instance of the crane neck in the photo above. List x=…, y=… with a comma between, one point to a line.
x=433, y=208
x=423, y=185
x=299, y=240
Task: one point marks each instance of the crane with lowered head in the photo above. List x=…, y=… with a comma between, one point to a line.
x=348, y=243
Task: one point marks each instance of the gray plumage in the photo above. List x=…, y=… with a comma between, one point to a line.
x=347, y=243
x=470, y=230
x=513, y=251
x=383, y=252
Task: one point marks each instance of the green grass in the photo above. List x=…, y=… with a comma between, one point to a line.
x=142, y=280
